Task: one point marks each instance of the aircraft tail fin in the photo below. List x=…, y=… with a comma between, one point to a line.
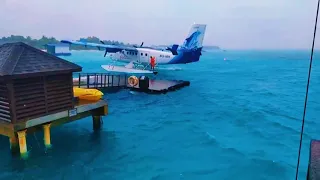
x=195, y=36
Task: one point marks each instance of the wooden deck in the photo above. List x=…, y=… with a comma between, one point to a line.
x=81, y=110
x=161, y=86
x=17, y=131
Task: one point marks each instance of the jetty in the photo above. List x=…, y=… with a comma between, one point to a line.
x=159, y=86
x=36, y=93
x=105, y=81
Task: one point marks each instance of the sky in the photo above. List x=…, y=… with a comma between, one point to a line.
x=231, y=24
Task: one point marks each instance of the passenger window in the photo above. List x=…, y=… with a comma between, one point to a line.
x=141, y=54
x=146, y=54
x=127, y=52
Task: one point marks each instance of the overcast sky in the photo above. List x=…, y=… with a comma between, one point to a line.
x=231, y=24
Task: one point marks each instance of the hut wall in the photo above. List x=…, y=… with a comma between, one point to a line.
x=5, y=114
x=29, y=98
x=59, y=92
x=39, y=96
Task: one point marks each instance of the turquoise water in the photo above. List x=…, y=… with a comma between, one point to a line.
x=239, y=119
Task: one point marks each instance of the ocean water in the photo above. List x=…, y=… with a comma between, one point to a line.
x=239, y=119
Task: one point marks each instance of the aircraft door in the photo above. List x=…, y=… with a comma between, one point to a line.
x=144, y=57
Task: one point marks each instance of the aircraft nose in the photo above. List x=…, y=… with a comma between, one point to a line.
x=109, y=55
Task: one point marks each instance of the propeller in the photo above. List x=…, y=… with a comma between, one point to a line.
x=105, y=53
x=137, y=46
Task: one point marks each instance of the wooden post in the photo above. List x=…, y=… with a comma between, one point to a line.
x=105, y=79
x=23, y=143
x=125, y=80
x=96, y=120
x=46, y=137
x=88, y=81
x=112, y=81
x=79, y=84
x=101, y=76
x=14, y=146
x=119, y=80
x=95, y=81
x=108, y=80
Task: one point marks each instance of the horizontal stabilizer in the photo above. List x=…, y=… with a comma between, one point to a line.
x=173, y=49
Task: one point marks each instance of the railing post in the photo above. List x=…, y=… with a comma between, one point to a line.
x=101, y=80
x=97, y=81
x=88, y=76
x=105, y=79
x=108, y=80
x=79, y=80
x=125, y=80
x=112, y=80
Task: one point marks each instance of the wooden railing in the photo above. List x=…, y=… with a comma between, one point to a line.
x=99, y=80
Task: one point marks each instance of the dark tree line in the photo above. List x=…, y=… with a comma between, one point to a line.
x=39, y=43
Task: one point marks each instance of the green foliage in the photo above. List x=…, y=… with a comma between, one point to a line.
x=39, y=43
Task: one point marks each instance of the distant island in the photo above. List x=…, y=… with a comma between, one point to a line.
x=211, y=47
x=40, y=43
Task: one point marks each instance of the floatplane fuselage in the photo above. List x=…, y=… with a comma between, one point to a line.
x=163, y=57
x=189, y=52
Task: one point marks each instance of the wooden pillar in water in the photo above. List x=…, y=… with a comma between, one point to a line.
x=23, y=143
x=14, y=145
x=96, y=120
x=47, y=136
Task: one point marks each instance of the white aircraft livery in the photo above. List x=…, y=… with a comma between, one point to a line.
x=188, y=52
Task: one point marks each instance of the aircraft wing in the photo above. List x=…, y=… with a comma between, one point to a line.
x=108, y=48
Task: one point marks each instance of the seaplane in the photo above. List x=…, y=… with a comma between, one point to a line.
x=138, y=57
